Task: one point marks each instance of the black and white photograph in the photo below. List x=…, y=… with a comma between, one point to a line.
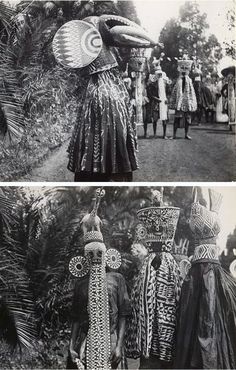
x=117, y=91
x=139, y=273
x=118, y=277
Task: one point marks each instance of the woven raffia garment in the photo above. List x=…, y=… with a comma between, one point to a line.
x=206, y=332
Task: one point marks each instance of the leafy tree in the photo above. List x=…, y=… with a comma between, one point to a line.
x=187, y=34
x=36, y=94
x=230, y=47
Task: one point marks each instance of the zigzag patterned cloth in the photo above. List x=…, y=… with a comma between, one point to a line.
x=184, y=101
x=98, y=341
x=203, y=223
x=77, y=44
x=103, y=140
x=154, y=299
x=205, y=252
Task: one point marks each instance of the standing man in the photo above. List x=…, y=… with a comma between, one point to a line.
x=151, y=328
x=183, y=97
x=163, y=104
x=100, y=305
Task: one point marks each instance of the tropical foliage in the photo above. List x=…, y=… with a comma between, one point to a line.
x=187, y=34
x=40, y=231
x=38, y=98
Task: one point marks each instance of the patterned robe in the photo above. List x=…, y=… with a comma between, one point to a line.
x=154, y=300
x=183, y=97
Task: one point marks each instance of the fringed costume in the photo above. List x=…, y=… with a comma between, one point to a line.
x=206, y=334
x=154, y=299
x=157, y=95
x=102, y=146
x=183, y=98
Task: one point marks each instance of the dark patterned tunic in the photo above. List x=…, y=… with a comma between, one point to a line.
x=103, y=140
x=154, y=300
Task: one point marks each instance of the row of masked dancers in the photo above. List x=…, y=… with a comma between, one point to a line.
x=211, y=91
x=103, y=144
x=180, y=313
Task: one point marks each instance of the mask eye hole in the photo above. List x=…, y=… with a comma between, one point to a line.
x=90, y=254
x=99, y=254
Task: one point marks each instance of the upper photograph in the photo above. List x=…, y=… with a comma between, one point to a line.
x=104, y=91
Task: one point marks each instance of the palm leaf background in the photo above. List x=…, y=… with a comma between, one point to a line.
x=16, y=303
x=40, y=233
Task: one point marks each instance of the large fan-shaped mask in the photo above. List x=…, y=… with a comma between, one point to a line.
x=77, y=44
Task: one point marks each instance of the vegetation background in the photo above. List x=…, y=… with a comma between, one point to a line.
x=39, y=233
x=39, y=98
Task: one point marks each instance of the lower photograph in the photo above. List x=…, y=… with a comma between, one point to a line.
x=118, y=277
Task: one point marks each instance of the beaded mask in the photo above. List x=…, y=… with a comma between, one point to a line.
x=94, y=262
x=157, y=224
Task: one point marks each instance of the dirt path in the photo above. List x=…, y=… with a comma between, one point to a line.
x=210, y=156
x=52, y=169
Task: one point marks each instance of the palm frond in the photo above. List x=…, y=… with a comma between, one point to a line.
x=6, y=14
x=11, y=103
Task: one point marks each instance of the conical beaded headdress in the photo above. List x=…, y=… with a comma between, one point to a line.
x=204, y=222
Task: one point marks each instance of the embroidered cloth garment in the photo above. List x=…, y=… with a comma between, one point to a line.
x=184, y=99
x=103, y=140
x=154, y=299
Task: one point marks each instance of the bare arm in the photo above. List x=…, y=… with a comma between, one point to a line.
x=74, y=334
x=117, y=353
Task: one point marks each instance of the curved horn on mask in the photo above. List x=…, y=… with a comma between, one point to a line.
x=120, y=31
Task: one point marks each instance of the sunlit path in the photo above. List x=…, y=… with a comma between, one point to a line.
x=209, y=156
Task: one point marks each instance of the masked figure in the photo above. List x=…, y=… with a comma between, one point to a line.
x=102, y=146
x=183, y=98
x=206, y=333
x=158, y=98
x=100, y=303
x=203, y=95
x=154, y=299
x=228, y=94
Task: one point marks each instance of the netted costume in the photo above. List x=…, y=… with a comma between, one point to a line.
x=206, y=334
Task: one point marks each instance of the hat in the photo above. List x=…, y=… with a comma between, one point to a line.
x=184, y=65
x=229, y=70
x=204, y=222
x=197, y=72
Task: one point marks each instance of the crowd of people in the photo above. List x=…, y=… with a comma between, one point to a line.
x=103, y=145
x=180, y=312
x=210, y=90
